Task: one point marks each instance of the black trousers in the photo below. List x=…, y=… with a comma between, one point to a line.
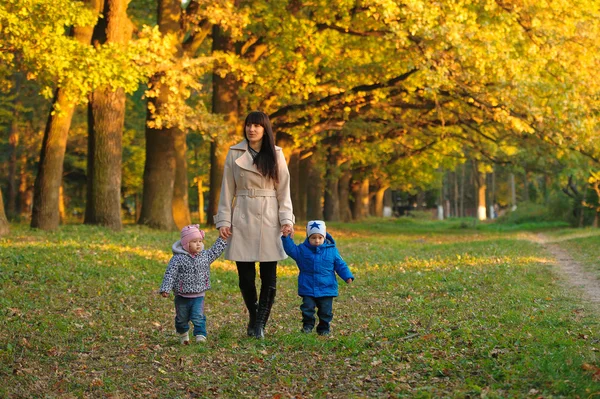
x=247, y=275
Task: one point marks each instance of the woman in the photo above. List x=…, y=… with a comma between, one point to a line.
x=255, y=208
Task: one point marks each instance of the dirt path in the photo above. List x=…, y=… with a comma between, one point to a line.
x=572, y=271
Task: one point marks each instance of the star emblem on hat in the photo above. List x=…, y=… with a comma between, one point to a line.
x=314, y=225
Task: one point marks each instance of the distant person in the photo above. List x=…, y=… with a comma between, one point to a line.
x=318, y=260
x=255, y=208
x=188, y=276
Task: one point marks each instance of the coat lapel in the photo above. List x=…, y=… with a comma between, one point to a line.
x=245, y=161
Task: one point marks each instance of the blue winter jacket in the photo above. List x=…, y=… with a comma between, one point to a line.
x=318, y=266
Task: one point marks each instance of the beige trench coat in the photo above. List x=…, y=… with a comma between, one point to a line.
x=254, y=207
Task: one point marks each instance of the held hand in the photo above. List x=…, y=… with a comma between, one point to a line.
x=225, y=232
x=164, y=294
x=348, y=281
x=287, y=229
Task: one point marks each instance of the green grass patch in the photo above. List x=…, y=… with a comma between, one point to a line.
x=437, y=310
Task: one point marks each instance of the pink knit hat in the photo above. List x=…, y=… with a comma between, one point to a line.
x=189, y=233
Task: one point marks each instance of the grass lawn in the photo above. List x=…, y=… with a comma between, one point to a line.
x=438, y=310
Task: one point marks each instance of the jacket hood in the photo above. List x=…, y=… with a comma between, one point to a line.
x=177, y=248
x=329, y=242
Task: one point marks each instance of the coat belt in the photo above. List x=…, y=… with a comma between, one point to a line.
x=256, y=192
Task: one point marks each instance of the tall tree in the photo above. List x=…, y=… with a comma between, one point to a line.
x=4, y=228
x=14, y=135
x=45, y=213
x=225, y=102
x=106, y=120
x=165, y=203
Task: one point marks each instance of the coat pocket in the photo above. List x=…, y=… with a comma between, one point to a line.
x=271, y=212
x=240, y=214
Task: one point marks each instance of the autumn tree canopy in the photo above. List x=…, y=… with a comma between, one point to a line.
x=378, y=93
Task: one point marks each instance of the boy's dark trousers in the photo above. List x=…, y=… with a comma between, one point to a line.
x=324, y=307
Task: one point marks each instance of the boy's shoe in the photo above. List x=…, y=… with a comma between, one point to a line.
x=307, y=329
x=200, y=338
x=323, y=333
x=184, y=339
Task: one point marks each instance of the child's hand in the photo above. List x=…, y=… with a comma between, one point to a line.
x=349, y=281
x=164, y=294
x=287, y=229
x=225, y=232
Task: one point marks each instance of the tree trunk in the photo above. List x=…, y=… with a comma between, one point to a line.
x=303, y=183
x=421, y=201
x=379, y=194
x=388, y=203
x=372, y=194
x=526, y=186
x=355, y=199
x=513, y=192
x=331, y=201
x=13, y=189
x=138, y=207
x=161, y=155
x=494, y=198
x=107, y=116
x=13, y=150
x=106, y=121
x=344, y=192
x=365, y=200
x=440, y=201
x=61, y=205
x=481, y=193
x=50, y=168
x=181, y=207
x=360, y=192
x=159, y=180
x=462, y=190
x=201, y=215
x=25, y=190
x=456, y=195
x=169, y=12
x=314, y=190
x=225, y=102
x=295, y=192
x=488, y=195
x=546, y=188
x=4, y=228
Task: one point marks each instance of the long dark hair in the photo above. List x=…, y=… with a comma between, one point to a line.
x=265, y=161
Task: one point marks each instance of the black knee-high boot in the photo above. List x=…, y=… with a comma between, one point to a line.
x=249, y=295
x=264, y=310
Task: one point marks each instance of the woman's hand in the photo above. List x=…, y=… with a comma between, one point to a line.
x=287, y=229
x=224, y=232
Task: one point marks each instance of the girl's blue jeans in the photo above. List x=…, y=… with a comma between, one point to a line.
x=190, y=309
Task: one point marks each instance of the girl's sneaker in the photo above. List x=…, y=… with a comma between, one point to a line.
x=184, y=339
x=200, y=338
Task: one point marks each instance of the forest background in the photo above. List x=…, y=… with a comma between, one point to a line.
x=116, y=111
